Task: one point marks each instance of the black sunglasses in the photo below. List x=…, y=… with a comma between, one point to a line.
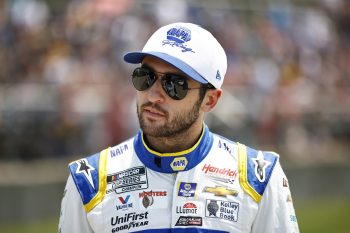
x=174, y=85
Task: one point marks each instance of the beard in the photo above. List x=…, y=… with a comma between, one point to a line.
x=181, y=122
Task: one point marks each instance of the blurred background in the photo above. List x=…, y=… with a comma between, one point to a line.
x=65, y=93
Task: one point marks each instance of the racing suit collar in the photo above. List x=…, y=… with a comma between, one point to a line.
x=174, y=162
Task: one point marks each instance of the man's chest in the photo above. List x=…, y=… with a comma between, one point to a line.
x=207, y=197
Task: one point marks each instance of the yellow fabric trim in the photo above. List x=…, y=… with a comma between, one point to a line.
x=102, y=176
x=180, y=153
x=242, y=169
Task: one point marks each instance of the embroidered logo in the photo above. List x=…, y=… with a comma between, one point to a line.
x=154, y=199
x=212, y=207
x=147, y=201
x=218, y=76
x=125, y=203
x=189, y=221
x=85, y=168
x=221, y=174
x=132, y=179
x=177, y=37
x=221, y=191
x=260, y=166
x=179, y=164
x=187, y=189
x=221, y=209
x=187, y=208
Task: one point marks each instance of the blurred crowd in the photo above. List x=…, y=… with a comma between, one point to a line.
x=65, y=90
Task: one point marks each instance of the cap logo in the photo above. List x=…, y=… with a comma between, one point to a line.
x=218, y=76
x=178, y=36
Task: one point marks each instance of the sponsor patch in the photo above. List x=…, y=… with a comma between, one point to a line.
x=187, y=208
x=221, y=174
x=187, y=189
x=85, y=168
x=293, y=218
x=220, y=191
x=226, y=210
x=154, y=199
x=179, y=164
x=124, y=203
x=128, y=180
x=119, y=150
x=260, y=166
x=189, y=221
x=225, y=146
x=129, y=221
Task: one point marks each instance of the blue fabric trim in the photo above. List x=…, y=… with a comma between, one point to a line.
x=137, y=57
x=253, y=180
x=86, y=190
x=193, y=158
x=182, y=230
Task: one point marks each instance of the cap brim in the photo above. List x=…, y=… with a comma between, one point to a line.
x=137, y=57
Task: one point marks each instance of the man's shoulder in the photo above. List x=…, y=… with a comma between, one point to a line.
x=88, y=175
x=122, y=148
x=85, y=169
x=255, y=168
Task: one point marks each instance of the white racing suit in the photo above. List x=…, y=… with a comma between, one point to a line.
x=215, y=186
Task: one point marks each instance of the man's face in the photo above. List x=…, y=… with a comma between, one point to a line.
x=161, y=116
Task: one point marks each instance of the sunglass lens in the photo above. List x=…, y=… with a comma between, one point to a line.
x=142, y=79
x=175, y=87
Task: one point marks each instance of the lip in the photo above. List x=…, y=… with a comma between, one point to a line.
x=153, y=112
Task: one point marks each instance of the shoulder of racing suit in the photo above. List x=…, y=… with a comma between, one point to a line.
x=89, y=175
x=255, y=169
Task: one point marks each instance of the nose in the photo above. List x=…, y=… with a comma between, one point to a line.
x=156, y=93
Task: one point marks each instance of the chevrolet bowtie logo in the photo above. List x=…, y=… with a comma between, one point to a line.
x=220, y=191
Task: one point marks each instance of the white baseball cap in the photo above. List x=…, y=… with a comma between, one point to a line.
x=188, y=47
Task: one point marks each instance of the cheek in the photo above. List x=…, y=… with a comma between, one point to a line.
x=185, y=106
x=141, y=98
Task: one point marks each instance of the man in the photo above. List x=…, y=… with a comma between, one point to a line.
x=175, y=175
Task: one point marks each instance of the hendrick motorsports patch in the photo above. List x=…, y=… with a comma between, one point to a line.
x=227, y=210
x=128, y=180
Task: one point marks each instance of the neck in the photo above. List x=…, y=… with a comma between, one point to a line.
x=178, y=142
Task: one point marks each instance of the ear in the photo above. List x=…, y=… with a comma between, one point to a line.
x=210, y=100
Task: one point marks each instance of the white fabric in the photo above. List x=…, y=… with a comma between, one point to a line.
x=173, y=203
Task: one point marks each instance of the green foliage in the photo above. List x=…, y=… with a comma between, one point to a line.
x=323, y=215
x=43, y=226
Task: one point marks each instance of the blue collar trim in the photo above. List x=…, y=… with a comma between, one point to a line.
x=180, y=161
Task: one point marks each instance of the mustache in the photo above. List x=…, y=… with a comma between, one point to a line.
x=155, y=106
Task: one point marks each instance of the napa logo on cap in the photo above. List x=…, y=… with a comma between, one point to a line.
x=178, y=36
x=179, y=164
